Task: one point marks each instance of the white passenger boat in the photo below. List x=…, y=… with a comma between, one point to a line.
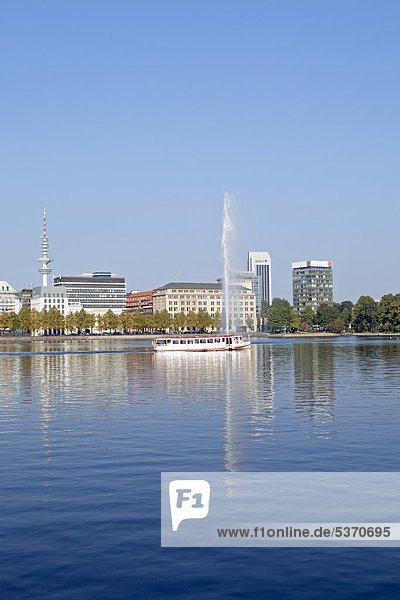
x=201, y=343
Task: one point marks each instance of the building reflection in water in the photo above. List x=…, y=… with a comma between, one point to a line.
x=242, y=381
x=314, y=387
x=60, y=383
x=249, y=402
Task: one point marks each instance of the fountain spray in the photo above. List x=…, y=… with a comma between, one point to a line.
x=227, y=243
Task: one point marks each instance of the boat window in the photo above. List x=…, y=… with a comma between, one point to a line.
x=217, y=340
x=203, y=341
x=210, y=341
x=175, y=341
x=197, y=341
x=236, y=339
x=169, y=341
x=190, y=341
x=161, y=342
x=183, y=341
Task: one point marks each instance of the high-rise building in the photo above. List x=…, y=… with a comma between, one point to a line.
x=259, y=263
x=96, y=292
x=312, y=283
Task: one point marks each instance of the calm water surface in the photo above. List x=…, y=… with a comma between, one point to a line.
x=86, y=427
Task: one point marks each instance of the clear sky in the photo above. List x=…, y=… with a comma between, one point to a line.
x=128, y=119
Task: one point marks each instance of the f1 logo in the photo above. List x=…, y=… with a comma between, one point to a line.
x=189, y=499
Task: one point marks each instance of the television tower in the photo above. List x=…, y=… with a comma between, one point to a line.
x=44, y=259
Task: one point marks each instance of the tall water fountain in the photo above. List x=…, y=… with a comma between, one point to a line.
x=227, y=245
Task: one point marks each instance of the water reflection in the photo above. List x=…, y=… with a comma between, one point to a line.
x=249, y=402
x=314, y=387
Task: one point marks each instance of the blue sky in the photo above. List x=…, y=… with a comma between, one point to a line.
x=129, y=119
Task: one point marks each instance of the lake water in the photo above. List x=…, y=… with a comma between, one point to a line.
x=86, y=427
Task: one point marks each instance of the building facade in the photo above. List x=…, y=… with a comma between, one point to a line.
x=140, y=301
x=97, y=292
x=26, y=297
x=250, y=281
x=176, y=297
x=312, y=284
x=52, y=296
x=9, y=298
x=259, y=263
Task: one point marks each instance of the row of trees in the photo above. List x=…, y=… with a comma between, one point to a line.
x=365, y=315
x=53, y=320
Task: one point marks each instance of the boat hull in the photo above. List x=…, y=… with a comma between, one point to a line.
x=201, y=344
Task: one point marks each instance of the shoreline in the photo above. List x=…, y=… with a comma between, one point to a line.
x=148, y=336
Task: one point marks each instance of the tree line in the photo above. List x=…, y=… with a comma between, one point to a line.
x=367, y=315
x=52, y=320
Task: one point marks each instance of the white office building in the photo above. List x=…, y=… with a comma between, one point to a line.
x=259, y=263
x=96, y=292
x=51, y=296
x=9, y=298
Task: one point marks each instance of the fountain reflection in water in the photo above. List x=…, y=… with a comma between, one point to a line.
x=227, y=245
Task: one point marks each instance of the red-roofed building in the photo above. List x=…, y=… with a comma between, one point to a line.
x=140, y=301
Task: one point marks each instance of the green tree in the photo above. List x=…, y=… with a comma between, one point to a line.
x=264, y=308
x=15, y=322
x=162, y=320
x=149, y=322
x=389, y=312
x=165, y=319
x=217, y=321
x=6, y=320
x=138, y=321
x=204, y=320
x=326, y=314
x=179, y=321
x=346, y=304
x=126, y=320
x=308, y=316
x=36, y=321
x=90, y=321
x=281, y=316
x=44, y=323
x=70, y=322
x=100, y=322
x=365, y=314
x=55, y=319
x=345, y=316
x=25, y=321
x=191, y=319
x=337, y=326
x=111, y=321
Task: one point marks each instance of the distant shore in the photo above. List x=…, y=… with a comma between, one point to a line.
x=134, y=338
